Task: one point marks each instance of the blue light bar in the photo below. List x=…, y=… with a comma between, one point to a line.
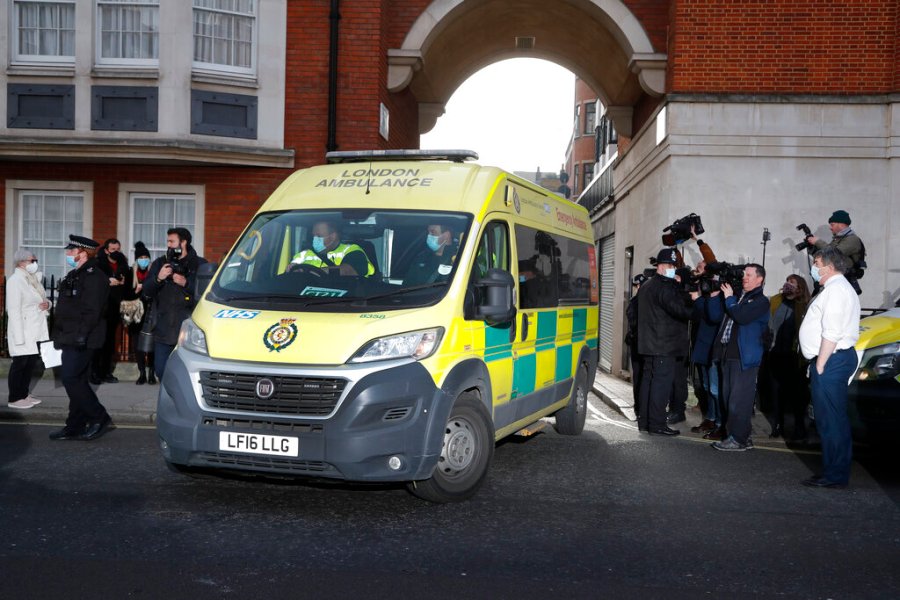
x=350, y=156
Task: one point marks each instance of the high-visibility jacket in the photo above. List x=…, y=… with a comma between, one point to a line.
x=336, y=256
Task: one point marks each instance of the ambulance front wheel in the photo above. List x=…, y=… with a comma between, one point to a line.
x=465, y=455
x=570, y=420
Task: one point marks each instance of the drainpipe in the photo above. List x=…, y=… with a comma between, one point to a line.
x=334, y=18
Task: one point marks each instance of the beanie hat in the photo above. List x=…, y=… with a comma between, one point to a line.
x=840, y=216
x=141, y=250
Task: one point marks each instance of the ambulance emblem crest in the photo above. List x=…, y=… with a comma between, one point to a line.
x=280, y=335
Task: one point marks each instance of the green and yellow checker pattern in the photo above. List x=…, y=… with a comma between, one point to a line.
x=548, y=355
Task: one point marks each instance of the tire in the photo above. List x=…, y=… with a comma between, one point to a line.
x=465, y=455
x=570, y=420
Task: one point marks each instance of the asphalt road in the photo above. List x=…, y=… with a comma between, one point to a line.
x=610, y=513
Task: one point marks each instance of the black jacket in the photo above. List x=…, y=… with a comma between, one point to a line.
x=79, y=316
x=117, y=293
x=663, y=313
x=171, y=303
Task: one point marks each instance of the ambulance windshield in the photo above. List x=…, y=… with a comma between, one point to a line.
x=343, y=261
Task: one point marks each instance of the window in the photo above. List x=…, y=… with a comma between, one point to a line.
x=44, y=31
x=128, y=31
x=47, y=219
x=553, y=270
x=224, y=35
x=493, y=252
x=588, y=174
x=157, y=213
x=575, y=181
x=590, y=117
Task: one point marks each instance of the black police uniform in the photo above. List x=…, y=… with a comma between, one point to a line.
x=79, y=330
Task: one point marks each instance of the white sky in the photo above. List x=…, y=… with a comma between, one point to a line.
x=516, y=114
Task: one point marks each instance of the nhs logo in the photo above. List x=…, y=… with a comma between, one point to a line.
x=226, y=313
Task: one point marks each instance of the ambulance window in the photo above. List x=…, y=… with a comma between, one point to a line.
x=574, y=272
x=493, y=251
x=539, y=262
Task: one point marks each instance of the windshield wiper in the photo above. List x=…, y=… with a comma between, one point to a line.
x=306, y=300
x=414, y=288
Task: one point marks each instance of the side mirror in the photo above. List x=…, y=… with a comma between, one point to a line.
x=205, y=273
x=495, y=294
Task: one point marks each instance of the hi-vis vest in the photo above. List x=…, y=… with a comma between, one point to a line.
x=308, y=257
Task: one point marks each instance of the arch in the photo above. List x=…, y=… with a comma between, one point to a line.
x=599, y=40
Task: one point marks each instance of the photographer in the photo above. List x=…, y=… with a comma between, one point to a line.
x=845, y=240
x=170, y=286
x=739, y=349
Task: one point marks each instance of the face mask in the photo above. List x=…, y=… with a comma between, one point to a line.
x=143, y=263
x=670, y=273
x=432, y=242
x=814, y=271
x=318, y=244
x=31, y=268
x=70, y=260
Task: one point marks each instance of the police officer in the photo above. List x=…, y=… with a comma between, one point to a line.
x=663, y=314
x=328, y=251
x=79, y=329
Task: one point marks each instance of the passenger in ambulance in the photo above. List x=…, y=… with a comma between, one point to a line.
x=330, y=254
x=434, y=262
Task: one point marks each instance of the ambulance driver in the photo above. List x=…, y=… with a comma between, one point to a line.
x=435, y=261
x=328, y=251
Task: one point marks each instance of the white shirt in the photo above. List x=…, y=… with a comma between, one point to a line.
x=833, y=315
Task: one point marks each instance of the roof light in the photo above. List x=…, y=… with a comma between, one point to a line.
x=343, y=156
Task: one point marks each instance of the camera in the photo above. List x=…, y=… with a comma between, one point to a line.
x=804, y=245
x=680, y=230
x=723, y=272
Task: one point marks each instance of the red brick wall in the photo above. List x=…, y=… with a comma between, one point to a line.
x=784, y=46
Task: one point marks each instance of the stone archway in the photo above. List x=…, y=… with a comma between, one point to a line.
x=599, y=40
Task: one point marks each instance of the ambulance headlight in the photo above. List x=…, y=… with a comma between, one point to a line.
x=415, y=344
x=880, y=362
x=192, y=338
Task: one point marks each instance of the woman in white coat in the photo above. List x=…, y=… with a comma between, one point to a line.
x=26, y=309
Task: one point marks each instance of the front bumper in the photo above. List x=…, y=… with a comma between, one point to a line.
x=390, y=409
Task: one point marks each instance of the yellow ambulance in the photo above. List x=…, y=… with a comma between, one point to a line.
x=387, y=317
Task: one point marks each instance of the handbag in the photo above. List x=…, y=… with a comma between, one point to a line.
x=132, y=311
x=50, y=355
x=145, y=337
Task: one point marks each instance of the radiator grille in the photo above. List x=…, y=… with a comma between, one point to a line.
x=300, y=396
x=271, y=463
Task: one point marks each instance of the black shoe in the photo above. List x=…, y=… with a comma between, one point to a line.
x=777, y=431
x=110, y=379
x=95, y=430
x=151, y=378
x=66, y=433
x=141, y=380
x=665, y=431
x=95, y=380
x=821, y=482
x=675, y=418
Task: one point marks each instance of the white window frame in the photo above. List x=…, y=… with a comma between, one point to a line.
x=38, y=58
x=14, y=189
x=125, y=223
x=98, y=34
x=220, y=69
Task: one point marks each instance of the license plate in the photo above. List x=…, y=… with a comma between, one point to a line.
x=257, y=443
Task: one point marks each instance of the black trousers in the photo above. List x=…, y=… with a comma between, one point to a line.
x=20, y=375
x=84, y=406
x=637, y=375
x=656, y=388
x=789, y=389
x=738, y=389
x=678, y=402
x=104, y=363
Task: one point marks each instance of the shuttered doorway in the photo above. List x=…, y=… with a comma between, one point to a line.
x=607, y=300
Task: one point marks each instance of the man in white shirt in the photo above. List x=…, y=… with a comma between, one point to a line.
x=827, y=336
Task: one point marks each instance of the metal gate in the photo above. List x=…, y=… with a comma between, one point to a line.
x=607, y=300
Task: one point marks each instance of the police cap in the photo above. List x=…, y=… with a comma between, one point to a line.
x=667, y=256
x=77, y=241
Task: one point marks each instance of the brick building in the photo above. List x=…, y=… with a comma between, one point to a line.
x=124, y=117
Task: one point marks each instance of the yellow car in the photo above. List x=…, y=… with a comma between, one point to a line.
x=874, y=394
